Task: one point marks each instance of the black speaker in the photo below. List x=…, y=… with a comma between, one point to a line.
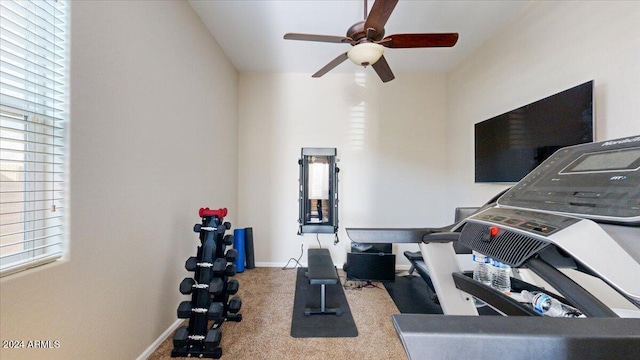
x=370, y=266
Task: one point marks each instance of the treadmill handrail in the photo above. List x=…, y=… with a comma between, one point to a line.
x=441, y=237
x=392, y=235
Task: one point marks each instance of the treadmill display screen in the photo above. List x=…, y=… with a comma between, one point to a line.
x=606, y=161
x=597, y=181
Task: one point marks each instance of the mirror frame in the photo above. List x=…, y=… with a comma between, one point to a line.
x=330, y=226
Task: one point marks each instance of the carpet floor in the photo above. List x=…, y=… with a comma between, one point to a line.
x=267, y=308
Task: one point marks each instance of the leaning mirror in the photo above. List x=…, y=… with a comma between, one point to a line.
x=318, y=191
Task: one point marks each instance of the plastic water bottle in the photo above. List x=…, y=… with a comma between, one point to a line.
x=482, y=268
x=548, y=306
x=501, y=277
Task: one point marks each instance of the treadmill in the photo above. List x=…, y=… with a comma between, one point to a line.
x=571, y=229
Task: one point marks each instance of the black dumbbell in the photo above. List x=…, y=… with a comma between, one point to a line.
x=184, y=309
x=230, y=270
x=210, y=341
x=228, y=239
x=233, y=286
x=235, y=304
x=231, y=255
x=219, y=266
x=223, y=227
x=214, y=287
x=192, y=264
x=181, y=337
x=214, y=312
x=186, y=286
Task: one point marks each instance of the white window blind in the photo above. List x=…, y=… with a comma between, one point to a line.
x=33, y=81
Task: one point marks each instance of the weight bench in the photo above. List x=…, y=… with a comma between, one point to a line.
x=321, y=271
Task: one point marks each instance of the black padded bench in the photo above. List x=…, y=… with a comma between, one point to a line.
x=321, y=271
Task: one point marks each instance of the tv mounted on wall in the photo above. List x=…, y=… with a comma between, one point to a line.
x=509, y=146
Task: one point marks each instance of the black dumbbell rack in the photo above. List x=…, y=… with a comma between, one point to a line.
x=210, y=289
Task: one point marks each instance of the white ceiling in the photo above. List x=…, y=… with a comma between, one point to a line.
x=251, y=31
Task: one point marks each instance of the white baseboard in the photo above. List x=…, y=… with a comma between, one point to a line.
x=401, y=267
x=291, y=264
x=148, y=351
x=272, y=264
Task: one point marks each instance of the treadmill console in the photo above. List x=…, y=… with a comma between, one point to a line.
x=598, y=181
x=539, y=223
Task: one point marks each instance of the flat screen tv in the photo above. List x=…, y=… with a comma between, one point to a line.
x=509, y=146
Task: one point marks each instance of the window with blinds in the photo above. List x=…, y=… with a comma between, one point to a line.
x=33, y=80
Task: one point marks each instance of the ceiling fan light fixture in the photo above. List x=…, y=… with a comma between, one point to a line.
x=364, y=54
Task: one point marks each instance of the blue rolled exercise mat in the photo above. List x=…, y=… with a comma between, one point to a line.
x=238, y=244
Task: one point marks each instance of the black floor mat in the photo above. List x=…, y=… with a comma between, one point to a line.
x=308, y=296
x=411, y=296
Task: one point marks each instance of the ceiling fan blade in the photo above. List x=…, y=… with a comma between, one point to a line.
x=419, y=40
x=316, y=37
x=335, y=62
x=380, y=12
x=383, y=70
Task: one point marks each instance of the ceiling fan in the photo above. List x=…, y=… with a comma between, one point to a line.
x=368, y=41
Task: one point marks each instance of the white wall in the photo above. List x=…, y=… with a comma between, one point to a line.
x=154, y=116
x=415, y=164
x=151, y=93
x=553, y=46
x=390, y=139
